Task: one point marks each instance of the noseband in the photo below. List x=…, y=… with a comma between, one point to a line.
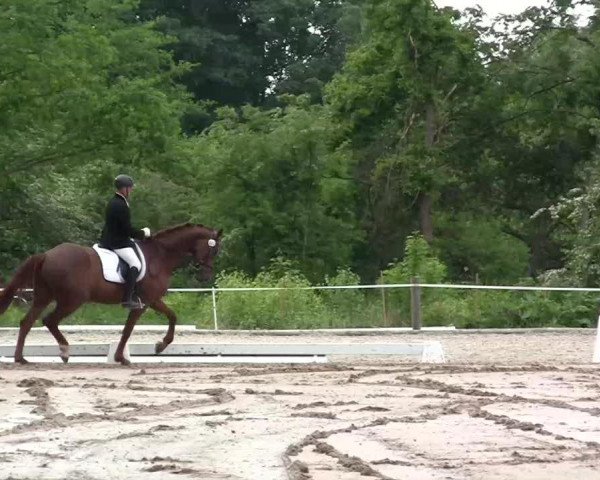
x=212, y=243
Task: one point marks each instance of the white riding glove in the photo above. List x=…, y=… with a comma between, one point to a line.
x=146, y=231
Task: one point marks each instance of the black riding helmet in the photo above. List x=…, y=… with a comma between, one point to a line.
x=123, y=181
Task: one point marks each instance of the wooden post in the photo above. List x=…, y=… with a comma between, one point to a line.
x=214, y=304
x=385, y=319
x=415, y=303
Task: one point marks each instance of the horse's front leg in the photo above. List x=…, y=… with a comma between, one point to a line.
x=132, y=319
x=160, y=307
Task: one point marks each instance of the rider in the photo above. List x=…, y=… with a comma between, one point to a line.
x=117, y=236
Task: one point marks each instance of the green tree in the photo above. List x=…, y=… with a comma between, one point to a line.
x=402, y=94
x=247, y=52
x=83, y=89
x=80, y=83
x=274, y=181
x=538, y=132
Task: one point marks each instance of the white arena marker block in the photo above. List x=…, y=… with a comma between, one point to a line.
x=112, y=348
x=433, y=353
x=596, y=358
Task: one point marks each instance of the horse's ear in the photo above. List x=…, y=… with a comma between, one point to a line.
x=219, y=233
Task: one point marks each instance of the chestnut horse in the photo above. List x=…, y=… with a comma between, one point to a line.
x=72, y=275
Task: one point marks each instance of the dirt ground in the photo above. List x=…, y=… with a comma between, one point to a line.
x=505, y=406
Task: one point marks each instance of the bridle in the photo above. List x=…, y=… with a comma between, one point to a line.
x=212, y=243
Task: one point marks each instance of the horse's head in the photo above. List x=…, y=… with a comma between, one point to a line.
x=204, y=251
x=200, y=242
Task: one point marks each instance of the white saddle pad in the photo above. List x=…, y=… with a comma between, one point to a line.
x=110, y=264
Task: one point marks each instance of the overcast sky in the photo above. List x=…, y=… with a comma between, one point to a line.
x=493, y=7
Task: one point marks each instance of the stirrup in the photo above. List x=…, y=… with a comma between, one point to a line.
x=133, y=304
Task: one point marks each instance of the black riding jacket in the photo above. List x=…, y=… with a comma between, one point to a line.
x=117, y=231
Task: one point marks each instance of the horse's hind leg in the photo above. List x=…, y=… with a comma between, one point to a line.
x=53, y=319
x=34, y=312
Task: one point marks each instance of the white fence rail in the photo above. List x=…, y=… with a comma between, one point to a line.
x=415, y=289
x=391, y=285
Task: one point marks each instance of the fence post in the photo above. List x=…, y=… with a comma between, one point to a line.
x=383, y=303
x=415, y=303
x=214, y=302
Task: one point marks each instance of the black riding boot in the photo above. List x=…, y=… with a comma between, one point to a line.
x=130, y=300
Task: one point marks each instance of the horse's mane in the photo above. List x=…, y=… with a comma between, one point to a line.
x=161, y=234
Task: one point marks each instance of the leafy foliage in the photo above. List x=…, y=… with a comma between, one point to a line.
x=323, y=133
x=245, y=52
x=287, y=190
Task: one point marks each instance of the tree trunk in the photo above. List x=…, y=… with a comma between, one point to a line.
x=425, y=216
x=424, y=200
x=429, y=125
x=251, y=246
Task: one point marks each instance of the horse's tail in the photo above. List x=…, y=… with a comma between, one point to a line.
x=23, y=277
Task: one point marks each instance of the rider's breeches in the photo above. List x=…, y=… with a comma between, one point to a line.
x=128, y=254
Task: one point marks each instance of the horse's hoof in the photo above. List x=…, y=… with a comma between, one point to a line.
x=21, y=360
x=159, y=347
x=123, y=361
x=64, y=353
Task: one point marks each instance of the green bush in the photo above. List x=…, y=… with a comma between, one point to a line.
x=508, y=309
x=277, y=309
x=290, y=309
x=345, y=307
x=477, y=248
x=303, y=308
x=419, y=262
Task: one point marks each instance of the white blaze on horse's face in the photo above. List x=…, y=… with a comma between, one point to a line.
x=212, y=242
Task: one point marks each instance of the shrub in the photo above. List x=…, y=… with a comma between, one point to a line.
x=271, y=309
x=419, y=261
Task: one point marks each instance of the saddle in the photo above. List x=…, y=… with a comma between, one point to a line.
x=114, y=268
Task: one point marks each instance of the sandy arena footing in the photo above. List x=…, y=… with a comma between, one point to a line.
x=521, y=406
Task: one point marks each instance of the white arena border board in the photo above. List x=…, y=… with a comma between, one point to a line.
x=427, y=352
x=209, y=331
x=106, y=328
